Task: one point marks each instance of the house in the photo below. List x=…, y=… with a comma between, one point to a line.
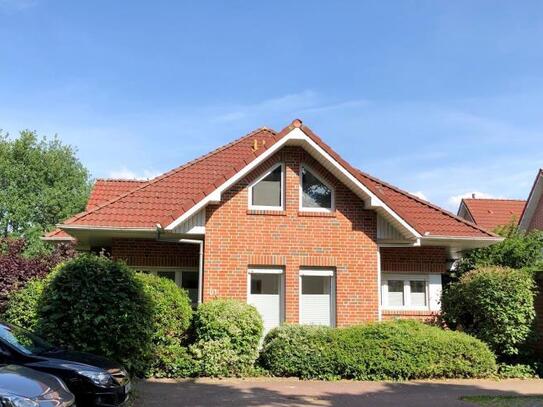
x=280, y=220
x=491, y=213
x=532, y=216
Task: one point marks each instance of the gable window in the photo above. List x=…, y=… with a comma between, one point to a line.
x=267, y=191
x=315, y=194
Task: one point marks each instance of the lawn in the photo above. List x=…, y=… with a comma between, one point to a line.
x=506, y=401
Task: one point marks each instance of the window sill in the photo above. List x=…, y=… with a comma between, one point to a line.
x=269, y=212
x=317, y=214
x=406, y=311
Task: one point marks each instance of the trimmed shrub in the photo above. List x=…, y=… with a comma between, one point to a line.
x=494, y=304
x=157, y=339
x=397, y=350
x=303, y=351
x=227, y=335
x=172, y=361
x=171, y=309
x=93, y=304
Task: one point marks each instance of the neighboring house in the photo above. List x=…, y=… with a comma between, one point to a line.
x=532, y=217
x=280, y=220
x=491, y=213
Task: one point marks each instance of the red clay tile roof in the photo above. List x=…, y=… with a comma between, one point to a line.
x=163, y=199
x=104, y=190
x=426, y=218
x=491, y=213
x=58, y=234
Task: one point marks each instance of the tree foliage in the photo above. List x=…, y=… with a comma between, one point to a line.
x=41, y=183
x=518, y=250
x=16, y=269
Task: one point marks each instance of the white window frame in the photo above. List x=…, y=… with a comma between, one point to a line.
x=317, y=175
x=319, y=273
x=252, y=184
x=270, y=270
x=406, y=278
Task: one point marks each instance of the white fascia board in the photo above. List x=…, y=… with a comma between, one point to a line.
x=299, y=135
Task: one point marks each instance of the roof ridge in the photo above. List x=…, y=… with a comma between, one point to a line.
x=169, y=173
x=122, y=180
x=426, y=203
x=494, y=199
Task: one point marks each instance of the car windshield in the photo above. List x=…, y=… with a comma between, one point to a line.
x=23, y=340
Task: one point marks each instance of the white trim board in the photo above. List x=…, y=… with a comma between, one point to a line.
x=298, y=137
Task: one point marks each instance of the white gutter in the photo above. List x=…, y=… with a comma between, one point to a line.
x=200, y=265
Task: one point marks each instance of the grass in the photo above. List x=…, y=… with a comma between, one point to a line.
x=505, y=401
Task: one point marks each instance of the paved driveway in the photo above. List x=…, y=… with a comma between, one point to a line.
x=292, y=392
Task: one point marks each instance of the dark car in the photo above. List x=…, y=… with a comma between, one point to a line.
x=24, y=387
x=95, y=380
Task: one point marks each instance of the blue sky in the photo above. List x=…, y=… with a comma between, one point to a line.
x=440, y=98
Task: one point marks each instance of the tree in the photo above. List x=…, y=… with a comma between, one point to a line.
x=16, y=270
x=41, y=183
x=519, y=250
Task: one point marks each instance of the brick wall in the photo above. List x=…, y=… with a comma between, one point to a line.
x=345, y=240
x=414, y=259
x=152, y=253
x=537, y=219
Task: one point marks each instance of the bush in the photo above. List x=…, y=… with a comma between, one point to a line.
x=153, y=346
x=303, y=351
x=494, y=304
x=96, y=305
x=22, y=307
x=227, y=334
x=16, y=269
x=171, y=309
x=172, y=361
x=381, y=351
x=517, y=371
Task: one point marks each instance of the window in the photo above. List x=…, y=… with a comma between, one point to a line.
x=315, y=194
x=317, y=297
x=315, y=285
x=405, y=291
x=265, y=283
x=267, y=191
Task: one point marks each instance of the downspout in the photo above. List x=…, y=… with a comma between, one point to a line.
x=200, y=260
x=200, y=265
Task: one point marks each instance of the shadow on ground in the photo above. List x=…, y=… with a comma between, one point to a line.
x=290, y=392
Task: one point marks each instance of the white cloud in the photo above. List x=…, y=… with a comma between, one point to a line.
x=454, y=201
x=419, y=194
x=125, y=173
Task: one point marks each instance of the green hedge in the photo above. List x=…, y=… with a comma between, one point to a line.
x=97, y=305
x=382, y=351
x=496, y=305
x=227, y=335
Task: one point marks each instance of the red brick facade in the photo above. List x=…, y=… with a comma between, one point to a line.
x=153, y=253
x=345, y=241
x=537, y=218
x=414, y=259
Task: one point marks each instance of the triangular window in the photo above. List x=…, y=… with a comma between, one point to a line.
x=316, y=195
x=267, y=191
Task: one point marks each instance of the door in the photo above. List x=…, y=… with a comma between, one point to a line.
x=317, y=297
x=265, y=294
